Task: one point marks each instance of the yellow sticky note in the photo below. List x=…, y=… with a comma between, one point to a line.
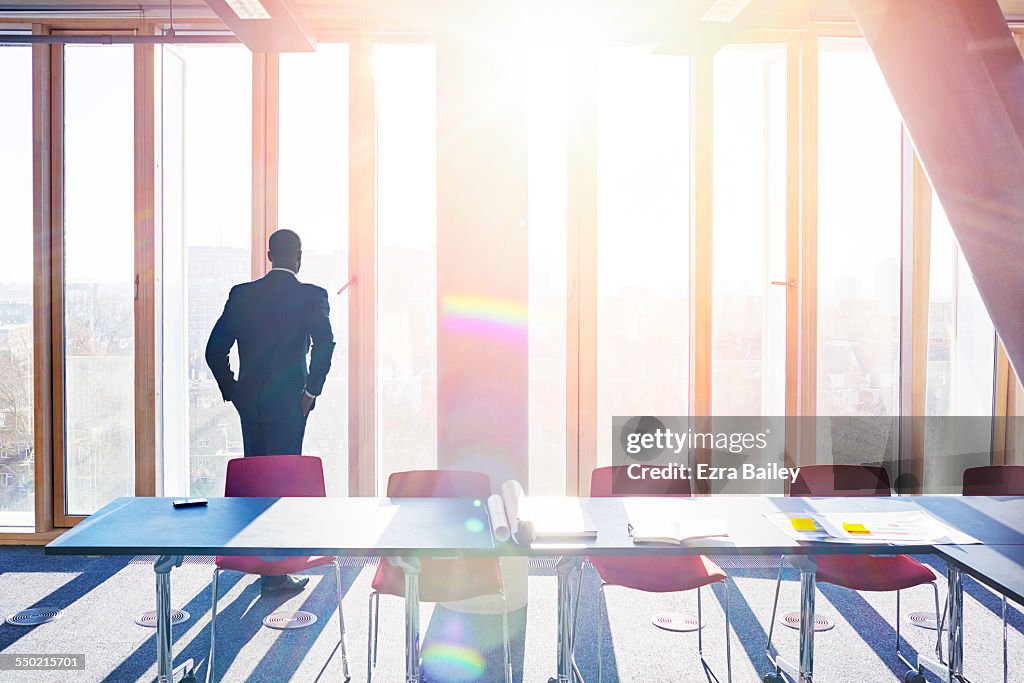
x=852, y=528
x=803, y=523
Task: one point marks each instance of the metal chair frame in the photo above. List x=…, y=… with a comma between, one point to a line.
x=921, y=663
x=708, y=671
x=374, y=629
x=211, y=675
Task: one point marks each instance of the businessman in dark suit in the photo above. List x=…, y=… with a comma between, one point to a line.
x=276, y=321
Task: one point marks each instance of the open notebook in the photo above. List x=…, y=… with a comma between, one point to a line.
x=670, y=530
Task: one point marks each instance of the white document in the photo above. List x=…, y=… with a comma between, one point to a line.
x=675, y=531
x=912, y=527
x=555, y=518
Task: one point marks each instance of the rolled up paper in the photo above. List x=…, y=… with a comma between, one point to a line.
x=499, y=521
x=518, y=512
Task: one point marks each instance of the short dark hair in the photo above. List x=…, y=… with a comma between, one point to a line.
x=284, y=243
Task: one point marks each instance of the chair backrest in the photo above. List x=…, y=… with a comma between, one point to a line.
x=994, y=480
x=275, y=476
x=439, y=484
x=606, y=482
x=851, y=481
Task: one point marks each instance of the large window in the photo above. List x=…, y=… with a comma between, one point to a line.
x=99, y=258
x=787, y=231
x=207, y=112
x=313, y=196
x=546, y=172
x=16, y=348
x=859, y=227
x=405, y=77
x=643, y=215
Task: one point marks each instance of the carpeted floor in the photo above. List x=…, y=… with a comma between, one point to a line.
x=101, y=596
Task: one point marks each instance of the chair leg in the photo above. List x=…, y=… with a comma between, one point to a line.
x=371, y=635
x=708, y=671
x=341, y=621
x=775, y=608
x=602, y=614
x=210, y=676
x=700, y=627
x=938, y=637
x=1006, y=660
x=505, y=639
x=898, y=625
x=728, y=634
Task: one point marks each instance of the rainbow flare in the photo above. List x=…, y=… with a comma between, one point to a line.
x=453, y=662
x=502, y=319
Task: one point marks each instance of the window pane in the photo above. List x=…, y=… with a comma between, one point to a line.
x=209, y=89
x=749, y=313
x=748, y=354
x=17, y=491
x=99, y=267
x=407, y=258
x=961, y=365
x=314, y=203
x=547, y=171
x=643, y=185
x=859, y=224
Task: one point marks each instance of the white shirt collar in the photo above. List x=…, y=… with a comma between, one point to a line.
x=286, y=270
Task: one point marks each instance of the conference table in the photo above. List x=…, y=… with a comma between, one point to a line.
x=1000, y=567
x=403, y=530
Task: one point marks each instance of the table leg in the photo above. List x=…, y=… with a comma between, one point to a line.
x=411, y=567
x=564, y=569
x=807, y=591
x=164, y=655
x=955, y=621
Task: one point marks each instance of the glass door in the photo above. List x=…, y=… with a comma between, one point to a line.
x=753, y=281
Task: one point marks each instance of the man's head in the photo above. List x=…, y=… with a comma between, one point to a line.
x=285, y=250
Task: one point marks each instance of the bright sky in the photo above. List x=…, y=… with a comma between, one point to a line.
x=99, y=164
x=16, y=164
x=643, y=157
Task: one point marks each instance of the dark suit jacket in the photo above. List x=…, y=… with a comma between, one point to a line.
x=274, y=320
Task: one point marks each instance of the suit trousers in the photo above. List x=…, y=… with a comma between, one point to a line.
x=281, y=436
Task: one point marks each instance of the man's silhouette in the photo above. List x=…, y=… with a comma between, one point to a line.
x=274, y=320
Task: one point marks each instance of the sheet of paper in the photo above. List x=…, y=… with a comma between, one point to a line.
x=557, y=518
x=913, y=526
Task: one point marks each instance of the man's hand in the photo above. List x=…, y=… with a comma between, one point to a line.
x=308, y=403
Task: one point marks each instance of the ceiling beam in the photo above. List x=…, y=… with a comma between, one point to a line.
x=283, y=28
x=958, y=79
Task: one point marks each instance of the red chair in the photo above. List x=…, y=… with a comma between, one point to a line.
x=995, y=480
x=654, y=574
x=274, y=476
x=440, y=580
x=860, y=572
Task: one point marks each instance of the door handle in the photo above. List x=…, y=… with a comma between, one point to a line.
x=785, y=283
